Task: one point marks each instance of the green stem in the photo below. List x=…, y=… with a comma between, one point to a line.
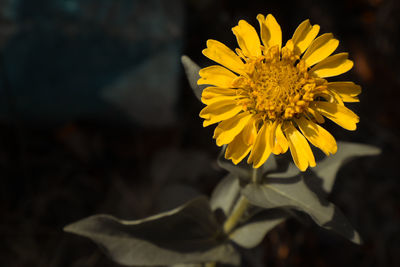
x=254, y=176
x=240, y=208
x=234, y=218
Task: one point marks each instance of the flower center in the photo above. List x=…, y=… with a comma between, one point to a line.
x=278, y=85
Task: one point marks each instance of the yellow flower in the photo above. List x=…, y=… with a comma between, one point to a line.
x=268, y=98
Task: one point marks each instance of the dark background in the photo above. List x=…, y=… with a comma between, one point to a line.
x=96, y=116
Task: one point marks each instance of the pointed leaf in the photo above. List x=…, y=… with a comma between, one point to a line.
x=294, y=193
x=327, y=168
x=192, y=74
x=187, y=234
x=252, y=233
x=225, y=194
x=270, y=165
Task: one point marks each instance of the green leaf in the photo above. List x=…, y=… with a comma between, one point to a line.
x=327, y=168
x=192, y=74
x=187, y=234
x=225, y=193
x=250, y=234
x=294, y=193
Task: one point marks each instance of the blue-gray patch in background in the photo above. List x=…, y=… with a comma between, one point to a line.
x=102, y=60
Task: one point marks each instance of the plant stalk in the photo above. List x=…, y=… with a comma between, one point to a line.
x=240, y=208
x=236, y=215
x=254, y=176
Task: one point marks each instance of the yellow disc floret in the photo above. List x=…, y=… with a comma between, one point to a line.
x=277, y=85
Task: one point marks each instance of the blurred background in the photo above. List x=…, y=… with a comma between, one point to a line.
x=96, y=116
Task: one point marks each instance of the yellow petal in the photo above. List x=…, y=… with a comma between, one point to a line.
x=229, y=129
x=247, y=39
x=289, y=47
x=263, y=145
x=336, y=98
x=332, y=66
x=214, y=91
x=216, y=75
x=299, y=147
x=217, y=98
x=277, y=149
x=337, y=113
x=237, y=150
x=318, y=117
x=221, y=54
x=281, y=139
x=348, y=91
x=330, y=96
x=347, y=98
x=211, y=95
x=249, y=132
x=219, y=111
x=260, y=146
x=320, y=49
x=304, y=35
x=264, y=32
x=271, y=33
x=339, y=98
x=239, y=52
x=317, y=136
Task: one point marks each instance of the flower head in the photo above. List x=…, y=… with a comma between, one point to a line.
x=267, y=98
